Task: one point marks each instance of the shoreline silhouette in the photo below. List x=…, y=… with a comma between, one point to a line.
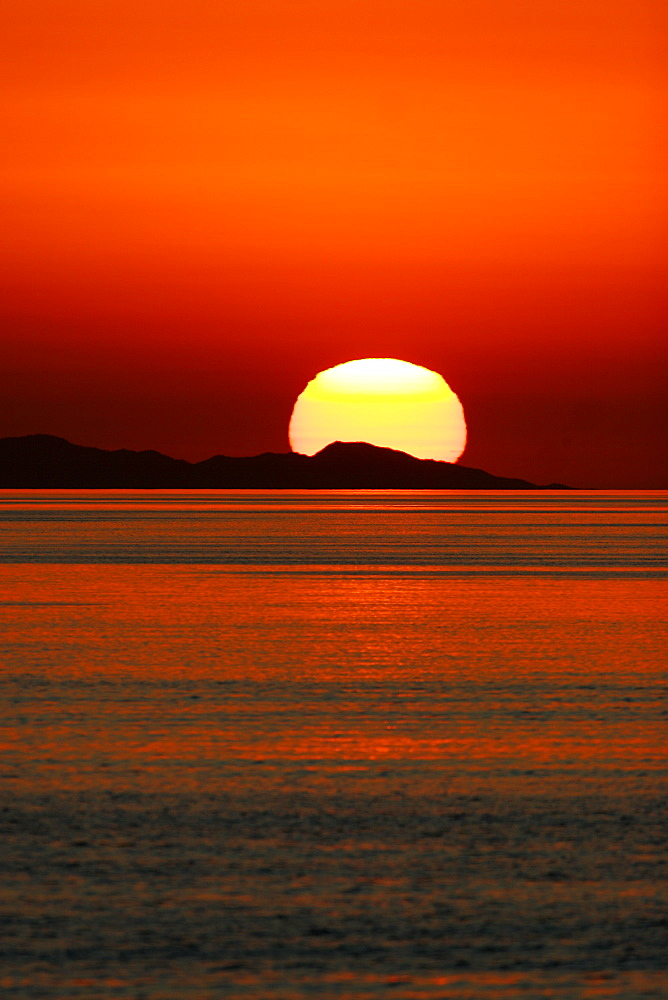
x=44, y=461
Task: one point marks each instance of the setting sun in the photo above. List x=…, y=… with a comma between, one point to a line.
x=383, y=401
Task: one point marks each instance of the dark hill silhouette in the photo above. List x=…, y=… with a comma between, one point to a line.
x=41, y=461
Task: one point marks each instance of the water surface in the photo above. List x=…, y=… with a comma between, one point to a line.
x=346, y=745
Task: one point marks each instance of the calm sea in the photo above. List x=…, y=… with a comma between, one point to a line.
x=344, y=745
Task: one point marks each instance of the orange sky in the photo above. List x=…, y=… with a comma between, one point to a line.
x=207, y=202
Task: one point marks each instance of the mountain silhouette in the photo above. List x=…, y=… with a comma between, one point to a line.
x=42, y=461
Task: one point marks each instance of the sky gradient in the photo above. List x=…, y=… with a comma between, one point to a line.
x=208, y=202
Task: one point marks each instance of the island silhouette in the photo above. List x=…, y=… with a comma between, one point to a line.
x=43, y=461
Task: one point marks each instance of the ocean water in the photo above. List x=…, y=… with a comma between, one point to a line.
x=344, y=745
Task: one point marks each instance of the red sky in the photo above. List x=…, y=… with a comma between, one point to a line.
x=207, y=202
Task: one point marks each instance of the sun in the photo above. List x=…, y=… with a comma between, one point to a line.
x=383, y=401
